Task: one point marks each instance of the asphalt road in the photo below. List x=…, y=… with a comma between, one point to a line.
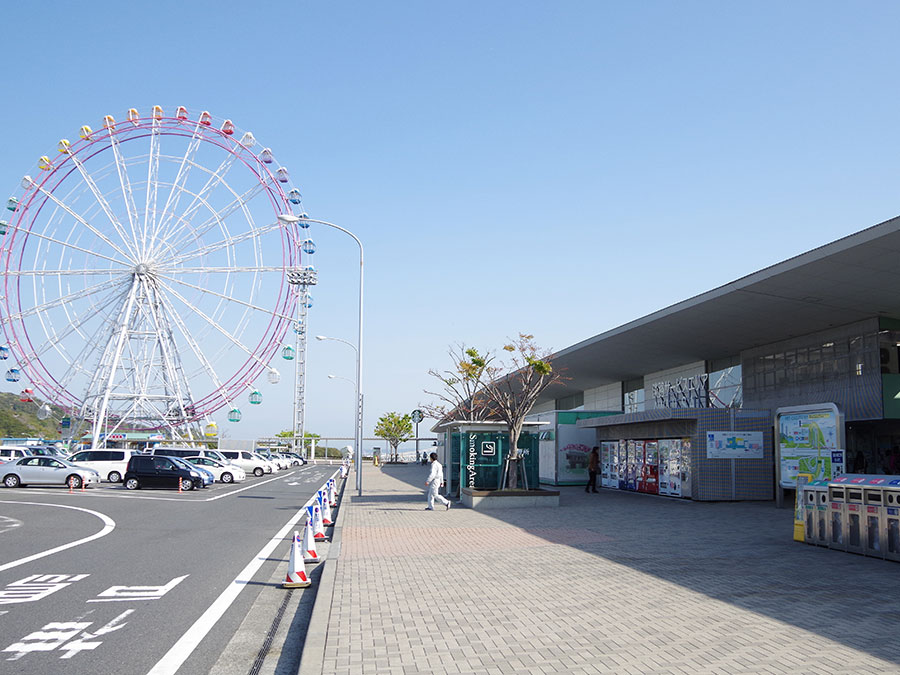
x=152, y=563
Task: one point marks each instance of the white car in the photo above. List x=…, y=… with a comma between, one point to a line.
x=110, y=464
x=248, y=461
x=280, y=462
x=223, y=472
x=11, y=452
x=275, y=466
x=46, y=471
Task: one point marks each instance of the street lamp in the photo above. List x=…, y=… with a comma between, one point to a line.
x=341, y=377
x=290, y=219
x=357, y=439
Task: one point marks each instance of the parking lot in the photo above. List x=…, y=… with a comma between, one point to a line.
x=107, y=579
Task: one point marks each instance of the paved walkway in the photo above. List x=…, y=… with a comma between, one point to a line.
x=609, y=582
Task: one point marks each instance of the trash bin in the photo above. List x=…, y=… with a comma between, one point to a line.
x=836, y=527
x=815, y=511
x=891, y=521
x=853, y=522
x=873, y=514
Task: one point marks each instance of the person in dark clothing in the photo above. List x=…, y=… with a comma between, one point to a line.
x=593, y=465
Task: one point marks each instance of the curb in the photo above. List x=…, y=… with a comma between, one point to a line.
x=312, y=659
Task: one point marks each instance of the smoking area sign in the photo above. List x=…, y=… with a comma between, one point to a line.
x=488, y=448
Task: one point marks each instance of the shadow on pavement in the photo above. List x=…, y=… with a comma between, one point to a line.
x=740, y=553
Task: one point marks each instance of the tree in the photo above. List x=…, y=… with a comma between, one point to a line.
x=512, y=390
x=395, y=429
x=462, y=394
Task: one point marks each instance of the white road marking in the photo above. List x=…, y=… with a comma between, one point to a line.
x=132, y=593
x=108, y=526
x=181, y=650
x=7, y=524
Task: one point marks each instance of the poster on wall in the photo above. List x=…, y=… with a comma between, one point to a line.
x=734, y=445
x=574, y=445
x=810, y=441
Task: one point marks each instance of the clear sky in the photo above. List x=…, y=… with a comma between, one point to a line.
x=557, y=168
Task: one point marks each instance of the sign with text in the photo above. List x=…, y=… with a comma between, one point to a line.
x=734, y=445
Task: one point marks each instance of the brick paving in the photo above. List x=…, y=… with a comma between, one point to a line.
x=607, y=583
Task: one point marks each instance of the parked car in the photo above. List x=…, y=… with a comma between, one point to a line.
x=279, y=461
x=46, y=471
x=224, y=472
x=292, y=458
x=248, y=461
x=110, y=464
x=207, y=476
x=159, y=471
x=187, y=452
x=10, y=452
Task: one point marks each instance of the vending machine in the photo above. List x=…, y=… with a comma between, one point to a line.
x=674, y=477
x=609, y=464
x=622, y=462
x=663, y=448
x=635, y=463
x=650, y=482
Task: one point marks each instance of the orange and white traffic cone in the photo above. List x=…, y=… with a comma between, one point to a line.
x=315, y=516
x=332, y=492
x=309, y=544
x=296, y=574
x=327, y=521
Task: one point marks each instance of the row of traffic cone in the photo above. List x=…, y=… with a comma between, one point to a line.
x=303, y=549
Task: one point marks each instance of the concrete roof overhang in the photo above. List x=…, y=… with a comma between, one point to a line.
x=851, y=279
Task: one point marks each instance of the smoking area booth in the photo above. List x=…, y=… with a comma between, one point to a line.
x=474, y=454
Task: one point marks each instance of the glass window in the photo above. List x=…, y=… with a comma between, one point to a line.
x=32, y=461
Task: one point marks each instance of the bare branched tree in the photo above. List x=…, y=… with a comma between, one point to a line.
x=513, y=389
x=462, y=394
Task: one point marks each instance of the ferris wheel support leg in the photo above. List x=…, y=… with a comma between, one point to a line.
x=100, y=419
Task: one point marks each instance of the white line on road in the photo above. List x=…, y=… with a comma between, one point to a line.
x=108, y=526
x=181, y=650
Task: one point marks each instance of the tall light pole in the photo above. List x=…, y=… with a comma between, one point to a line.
x=357, y=431
x=290, y=219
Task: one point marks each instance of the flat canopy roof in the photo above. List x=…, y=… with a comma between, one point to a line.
x=851, y=279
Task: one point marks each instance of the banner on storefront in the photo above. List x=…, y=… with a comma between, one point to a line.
x=734, y=445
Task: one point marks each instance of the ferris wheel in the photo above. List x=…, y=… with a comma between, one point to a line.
x=145, y=272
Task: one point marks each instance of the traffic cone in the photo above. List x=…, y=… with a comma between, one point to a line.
x=332, y=492
x=296, y=574
x=315, y=516
x=309, y=544
x=325, y=509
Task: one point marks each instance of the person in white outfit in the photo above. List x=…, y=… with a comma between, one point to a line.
x=434, y=482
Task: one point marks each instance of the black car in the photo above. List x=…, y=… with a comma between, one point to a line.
x=159, y=471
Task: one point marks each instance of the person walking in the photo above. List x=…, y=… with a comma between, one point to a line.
x=434, y=482
x=593, y=464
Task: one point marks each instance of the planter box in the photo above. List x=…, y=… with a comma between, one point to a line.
x=481, y=500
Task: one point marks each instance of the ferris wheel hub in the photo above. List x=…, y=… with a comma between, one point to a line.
x=142, y=269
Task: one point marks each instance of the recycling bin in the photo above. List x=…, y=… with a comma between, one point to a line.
x=835, y=523
x=815, y=512
x=891, y=521
x=854, y=523
x=873, y=513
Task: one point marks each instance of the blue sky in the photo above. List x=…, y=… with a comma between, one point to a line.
x=558, y=168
